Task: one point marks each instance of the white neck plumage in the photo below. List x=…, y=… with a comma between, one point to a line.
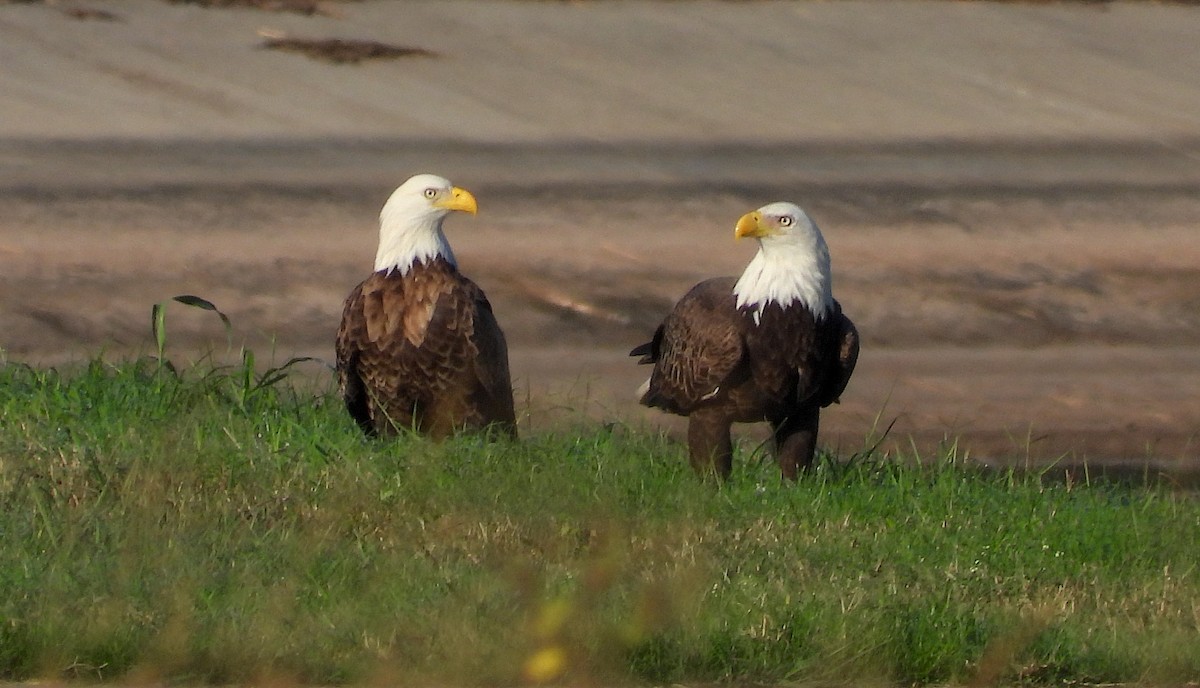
x=406, y=238
x=787, y=270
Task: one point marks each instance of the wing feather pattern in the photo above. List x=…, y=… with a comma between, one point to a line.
x=842, y=348
x=423, y=351
x=697, y=349
x=706, y=351
x=493, y=395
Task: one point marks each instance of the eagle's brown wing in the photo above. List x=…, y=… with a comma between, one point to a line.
x=842, y=358
x=351, y=335
x=347, y=347
x=422, y=351
x=493, y=397
x=696, y=350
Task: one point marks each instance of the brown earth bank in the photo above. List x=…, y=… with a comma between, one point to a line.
x=1010, y=190
x=1028, y=325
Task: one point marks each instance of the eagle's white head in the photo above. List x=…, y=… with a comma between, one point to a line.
x=792, y=263
x=410, y=224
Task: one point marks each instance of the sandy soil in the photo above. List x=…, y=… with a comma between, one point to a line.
x=1022, y=325
x=1011, y=193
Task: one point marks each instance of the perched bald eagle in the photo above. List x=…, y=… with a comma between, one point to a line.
x=770, y=346
x=419, y=347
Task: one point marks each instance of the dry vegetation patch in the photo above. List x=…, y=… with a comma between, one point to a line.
x=343, y=51
x=88, y=13
x=310, y=8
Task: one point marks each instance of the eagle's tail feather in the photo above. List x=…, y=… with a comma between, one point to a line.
x=646, y=351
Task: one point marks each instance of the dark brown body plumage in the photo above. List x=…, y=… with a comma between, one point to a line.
x=715, y=365
x=423, y=351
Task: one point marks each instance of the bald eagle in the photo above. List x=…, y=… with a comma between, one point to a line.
x=419, y=347
x=772, y=345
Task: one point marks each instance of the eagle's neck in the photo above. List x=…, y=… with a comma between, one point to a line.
x=786, y=271
x=406, y=240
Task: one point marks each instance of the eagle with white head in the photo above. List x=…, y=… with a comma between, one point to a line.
x=419, y=347
x=772, y=345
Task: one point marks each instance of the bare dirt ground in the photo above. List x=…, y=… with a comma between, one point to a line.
x=1026, y=324
x=1011, y=193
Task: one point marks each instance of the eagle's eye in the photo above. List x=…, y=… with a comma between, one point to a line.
x=785, y=221
x=430, y=193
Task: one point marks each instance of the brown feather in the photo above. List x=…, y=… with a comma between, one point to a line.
x=716, y=365
x=423, y=351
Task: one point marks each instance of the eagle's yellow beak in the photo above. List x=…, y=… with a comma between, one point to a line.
x=459, y=199
x=750, y=225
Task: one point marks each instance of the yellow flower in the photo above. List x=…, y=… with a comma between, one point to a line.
x=547, y=664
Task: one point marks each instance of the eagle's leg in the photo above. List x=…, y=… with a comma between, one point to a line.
x=796, y=440
x=709, y=445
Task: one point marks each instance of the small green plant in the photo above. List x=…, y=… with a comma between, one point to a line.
x=158, y=321
x=244, y=381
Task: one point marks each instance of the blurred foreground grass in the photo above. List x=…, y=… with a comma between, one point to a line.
x=213, y=526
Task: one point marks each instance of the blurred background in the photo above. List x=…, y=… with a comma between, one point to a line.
x=1009, y=191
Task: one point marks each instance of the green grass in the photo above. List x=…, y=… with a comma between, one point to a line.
x=215, y=527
